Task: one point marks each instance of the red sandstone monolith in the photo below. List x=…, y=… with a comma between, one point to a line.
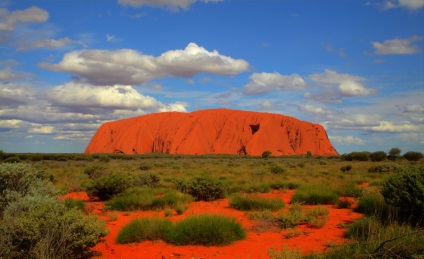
x=215, y=131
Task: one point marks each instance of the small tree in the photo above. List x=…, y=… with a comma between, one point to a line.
x=266, y=154
x=378, y=156
x=413, y=156
x=394, y=153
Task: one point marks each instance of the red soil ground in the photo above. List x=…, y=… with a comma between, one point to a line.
x=256, y=245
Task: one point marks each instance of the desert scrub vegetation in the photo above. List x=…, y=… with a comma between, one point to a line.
x=144, y=198
x=314, y=194
x=203, y=188
x=315, y=217
x=35, y=224
x=248, y=202
x=105, y=187
x=206, y=230
x=144, y=229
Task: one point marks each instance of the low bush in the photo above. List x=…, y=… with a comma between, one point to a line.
x=293, y=218
x=147, y=179
x=144, y=229
x=96, y=171
x=413, y=156
x=357, y=156
x=202, y=188
x=77, y=204
x=277, y=169
x=266, y=154
x=106, y=187
x=253, y=202
x=346, y=168
x=349, y=189
x=373, y=204
x=314, y=194
x=143, y=198
x=405, y=191
x=207, y=230
x=145, y=167
x=12, y=159
x=383, y=169
x=317, y=217
x=39, y=226
x=378, y=156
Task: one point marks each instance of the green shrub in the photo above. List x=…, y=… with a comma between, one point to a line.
x=349, y=189
x=413, y=156
x=77, y=204
x=346, y=168
x=266, y=154
x=276, y=169
x=143, y=198
x=207, y=230
x=105, y=187
x=144, y=229
x=373, y=204
x=147, y=179
x=18, y=180
x=284, y=253
x=405, y=191
x=363, y=228
x=383, y=169
x=96, y=171
x=145, y=167
x=314, y=194
x=293, y=218
x=12, y=159
x=104, y=158
x=317, y=217
x=344, y=203
x=378, y=156
x=39, y=227
x=202, y=188
x=134, y=198
x=357, y=156
x=253, y=202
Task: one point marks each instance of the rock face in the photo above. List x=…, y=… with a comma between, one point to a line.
x=216, y=131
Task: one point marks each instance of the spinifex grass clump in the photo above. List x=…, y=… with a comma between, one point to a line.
x=144, y=198
x=316, y=217
x=202, y=188
x=207, y=230
x=314, y=194
x=144, y=229
x=254, y=202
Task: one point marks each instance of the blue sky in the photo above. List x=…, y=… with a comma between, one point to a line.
x=356, y=67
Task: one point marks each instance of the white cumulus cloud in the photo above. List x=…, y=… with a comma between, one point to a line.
x=9, y=20
x=407, y=4
x=42, y=130
x=397, y=46
x=261, y=83
x=129, y=67
x=346, y=140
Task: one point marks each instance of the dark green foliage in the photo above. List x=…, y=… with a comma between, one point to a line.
x=346, y=168
x=378, y=156
x=314, y=194
x=104, y=158
x=145, y=167
x=413, y=156
x=202, y=188
x=77, y=204
x=207, y=230
x=106, y=187
x=373, y=204
x=357, y=156
x=394, y=153
x=18, y=180
x=252, y=202
x=13, y=159
x=350, y=189
x=266, y=154
x=363, y=228
x=276, y=169
x=144, y=229
x=405, y=190
x=143, y=198
x=96, y=171
x=147, y=179
x=383, y=169
x=47, y=229
x=344, y=203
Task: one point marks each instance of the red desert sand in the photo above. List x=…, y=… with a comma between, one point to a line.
x=306, y=238
x=215, y=131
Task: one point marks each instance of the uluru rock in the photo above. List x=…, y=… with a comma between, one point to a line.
x=215, y=131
